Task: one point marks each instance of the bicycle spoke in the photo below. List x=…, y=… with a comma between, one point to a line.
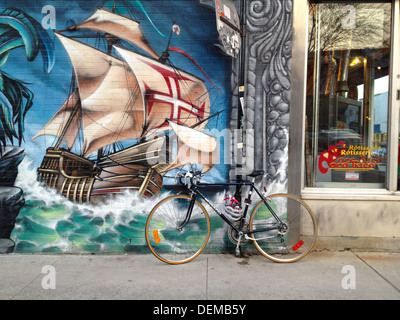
x=165, y=237
x=287, y=242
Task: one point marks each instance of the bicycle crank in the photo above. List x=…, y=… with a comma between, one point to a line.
x=233, y=235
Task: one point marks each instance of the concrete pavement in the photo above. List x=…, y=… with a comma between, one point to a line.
x=331, y=275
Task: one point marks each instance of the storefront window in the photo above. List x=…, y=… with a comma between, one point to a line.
x=347, y=94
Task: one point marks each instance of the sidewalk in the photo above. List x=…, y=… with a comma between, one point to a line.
x=321, y=275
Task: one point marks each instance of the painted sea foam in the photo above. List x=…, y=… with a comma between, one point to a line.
x=49, y=223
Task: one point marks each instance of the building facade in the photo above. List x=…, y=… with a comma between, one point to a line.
x=319, y=115
x=345, y=90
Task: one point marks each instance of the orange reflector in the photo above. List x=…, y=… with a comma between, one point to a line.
x=156, y=236
x=298, y=245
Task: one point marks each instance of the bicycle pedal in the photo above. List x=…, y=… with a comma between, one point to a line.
x=238, y=253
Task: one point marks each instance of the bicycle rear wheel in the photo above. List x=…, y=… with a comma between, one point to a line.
x=167, y=240
x=289, y=244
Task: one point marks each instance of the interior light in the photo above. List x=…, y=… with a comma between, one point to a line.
x=355, y=61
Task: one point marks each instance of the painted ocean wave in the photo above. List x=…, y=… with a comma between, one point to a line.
x=49, y=223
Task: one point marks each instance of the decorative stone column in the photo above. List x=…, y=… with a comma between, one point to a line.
x=267, y=88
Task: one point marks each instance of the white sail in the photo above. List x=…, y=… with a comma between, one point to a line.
x=60, y=122
x=118, y=99
x=168, y=93
x=119, y=26
x=194, y=147
x=111, y=110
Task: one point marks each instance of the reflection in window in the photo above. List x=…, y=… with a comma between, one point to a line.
x=347, y=94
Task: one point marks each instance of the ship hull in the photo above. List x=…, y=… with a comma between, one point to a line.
x=118, y=179
x=83, y=181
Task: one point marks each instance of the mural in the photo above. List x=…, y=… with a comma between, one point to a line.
x=134, y=97
x=17, y=29
x=130, y=83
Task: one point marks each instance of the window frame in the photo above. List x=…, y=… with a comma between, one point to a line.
x=296, y=181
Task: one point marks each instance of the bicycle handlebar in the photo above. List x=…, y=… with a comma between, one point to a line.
x=189, y=179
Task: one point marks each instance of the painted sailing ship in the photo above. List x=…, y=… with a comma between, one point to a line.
x=128, y=97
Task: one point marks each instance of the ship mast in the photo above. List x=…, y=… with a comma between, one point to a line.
x=110, y=38
x=71, y=117
x=110, y=42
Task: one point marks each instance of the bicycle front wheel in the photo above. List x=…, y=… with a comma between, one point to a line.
x=293, y=240
x=165, y=236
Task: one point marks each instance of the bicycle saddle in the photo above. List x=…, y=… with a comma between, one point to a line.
x=256, y=173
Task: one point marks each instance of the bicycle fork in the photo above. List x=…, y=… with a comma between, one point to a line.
x=189, y=212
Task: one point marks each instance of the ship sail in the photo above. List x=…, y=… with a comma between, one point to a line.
x=62, y=122
x=118, y=99
x=194, y=147
x=108, y=92
x=168, y=93
x=128, y=96
x=119, y=26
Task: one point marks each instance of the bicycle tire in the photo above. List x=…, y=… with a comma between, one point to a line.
x=299, y=238
x=166, y=241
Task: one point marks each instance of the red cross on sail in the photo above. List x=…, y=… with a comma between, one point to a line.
x=168, y=94
x=181, y=109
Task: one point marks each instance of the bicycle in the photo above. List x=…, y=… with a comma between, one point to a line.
x=282, y=227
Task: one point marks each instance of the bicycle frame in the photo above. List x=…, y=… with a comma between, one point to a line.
x=282, y=227
x=193, y=188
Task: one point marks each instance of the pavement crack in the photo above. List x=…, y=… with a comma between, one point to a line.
x=377, y=272
x=25, y=286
